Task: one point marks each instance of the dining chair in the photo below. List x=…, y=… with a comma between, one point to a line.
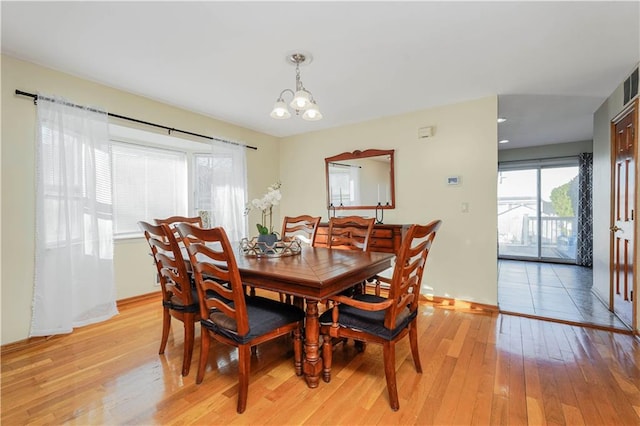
x=173, y=220
x=179, y=297
x=350, y=232
x=227, y=315
x=384, y=320
x=303, y=227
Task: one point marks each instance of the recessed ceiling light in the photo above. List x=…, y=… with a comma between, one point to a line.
x=501, y=119
x=504, y=141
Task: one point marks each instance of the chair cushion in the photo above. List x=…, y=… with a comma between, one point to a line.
x=176, y=303
x=371, y=322
x=264, y=314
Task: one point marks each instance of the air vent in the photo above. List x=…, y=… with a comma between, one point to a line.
x=631, y=87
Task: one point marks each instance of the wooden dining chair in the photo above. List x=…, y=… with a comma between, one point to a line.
x=173, y=220
x=179, y=297
x=303, y=227
x=227, y=315
x=376, y=319
x=350, y=232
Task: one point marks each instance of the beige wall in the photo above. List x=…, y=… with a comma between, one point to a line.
x=602, y=194
x=463, y=263
x=133, y=269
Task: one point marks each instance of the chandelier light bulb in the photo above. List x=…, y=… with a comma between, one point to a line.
x=300, y=100
x=312, y=113
x=280, y=110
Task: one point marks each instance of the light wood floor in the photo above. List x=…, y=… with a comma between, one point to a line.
x=479, y=368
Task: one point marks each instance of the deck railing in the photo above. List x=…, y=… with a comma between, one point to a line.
x=554, y=230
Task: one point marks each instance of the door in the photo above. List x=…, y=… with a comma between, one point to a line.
x=537, y=206
x=623, y=173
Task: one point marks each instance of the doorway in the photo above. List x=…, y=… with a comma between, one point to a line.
x=623, y=211
x=537, y=207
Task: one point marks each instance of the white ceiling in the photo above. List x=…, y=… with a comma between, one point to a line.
x=552, y=64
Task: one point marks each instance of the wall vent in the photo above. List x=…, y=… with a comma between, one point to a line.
x=631, y=87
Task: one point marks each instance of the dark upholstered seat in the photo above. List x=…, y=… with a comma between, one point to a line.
x=264, y=316
x=371, y=322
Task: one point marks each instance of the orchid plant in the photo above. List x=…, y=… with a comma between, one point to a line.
x=265, y=205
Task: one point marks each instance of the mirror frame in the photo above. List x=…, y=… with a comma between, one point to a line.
x=356, y=155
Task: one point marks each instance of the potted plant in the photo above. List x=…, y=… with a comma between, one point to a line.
x=265, y=205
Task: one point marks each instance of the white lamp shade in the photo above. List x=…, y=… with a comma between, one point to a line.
x=280, y=110
x=312, y=113
x=301, y=100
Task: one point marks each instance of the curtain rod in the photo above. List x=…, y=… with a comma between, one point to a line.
x=170, y=129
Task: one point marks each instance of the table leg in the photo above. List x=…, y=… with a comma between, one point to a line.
x=312, y=363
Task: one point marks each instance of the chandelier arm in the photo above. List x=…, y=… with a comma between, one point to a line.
x=285, y=91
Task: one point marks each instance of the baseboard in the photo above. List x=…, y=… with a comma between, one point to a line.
x=23, y=344
x=573, y=323
x=451, y=303
x=132, y=301
x=121, y=304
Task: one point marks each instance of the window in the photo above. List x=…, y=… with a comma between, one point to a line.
x=65, y=192
x=148, y=183
x=205, y=191
x=157, y=176
x=220, y=188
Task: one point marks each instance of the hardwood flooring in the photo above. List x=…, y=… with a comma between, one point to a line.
x=479, y=368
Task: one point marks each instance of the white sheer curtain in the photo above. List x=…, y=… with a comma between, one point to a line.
x=74, y=280
x=227, y=186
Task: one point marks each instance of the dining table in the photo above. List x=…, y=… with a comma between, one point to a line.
x=314, y=274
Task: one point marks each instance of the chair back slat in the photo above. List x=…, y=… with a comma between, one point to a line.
x=174, y=220
x=350, y=232
x=216, y=274
x=196, y=220
x=409, y=268
x=303, y=227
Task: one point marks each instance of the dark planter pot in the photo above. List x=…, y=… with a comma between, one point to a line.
x=269, y=242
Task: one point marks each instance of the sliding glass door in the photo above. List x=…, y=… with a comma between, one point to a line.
x=537, y=206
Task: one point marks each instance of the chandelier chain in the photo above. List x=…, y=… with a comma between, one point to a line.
x=298, y=82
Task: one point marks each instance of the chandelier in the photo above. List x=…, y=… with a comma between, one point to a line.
x=302, y=101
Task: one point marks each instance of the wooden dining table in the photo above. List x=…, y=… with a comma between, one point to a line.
x=314, y=274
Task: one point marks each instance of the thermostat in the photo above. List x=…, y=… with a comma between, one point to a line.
x=454, y=180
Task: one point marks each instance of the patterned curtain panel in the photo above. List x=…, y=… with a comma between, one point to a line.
x=584, y=255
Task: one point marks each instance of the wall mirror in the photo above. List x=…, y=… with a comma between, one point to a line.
x=360, y=180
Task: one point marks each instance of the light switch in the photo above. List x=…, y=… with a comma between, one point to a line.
x=464, y=208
